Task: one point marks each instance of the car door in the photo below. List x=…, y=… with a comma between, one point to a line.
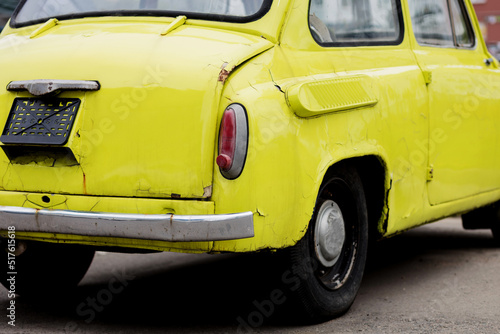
x=359, y=67
x=463, y=86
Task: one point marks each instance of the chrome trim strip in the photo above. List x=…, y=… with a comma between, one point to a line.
x=45, y=87
x=166, y=227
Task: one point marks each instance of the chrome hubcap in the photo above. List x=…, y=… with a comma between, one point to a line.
x=329, y=236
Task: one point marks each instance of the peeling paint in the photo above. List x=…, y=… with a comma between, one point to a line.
x=207, y=191
x=224, y=73
x=385, y=218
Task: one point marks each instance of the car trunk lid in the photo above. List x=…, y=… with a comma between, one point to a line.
x=150, y=129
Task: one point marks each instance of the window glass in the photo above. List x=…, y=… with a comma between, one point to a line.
x=40, y=10
x=355, y=21
x=461, y=25
x=431, y=22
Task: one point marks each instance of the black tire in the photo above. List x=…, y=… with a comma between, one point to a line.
x=496, y=235
x=487, y=217
x=329, y=283
x=45, y=268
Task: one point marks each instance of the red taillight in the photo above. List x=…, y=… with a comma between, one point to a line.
x=233, y=141
x=227, y=140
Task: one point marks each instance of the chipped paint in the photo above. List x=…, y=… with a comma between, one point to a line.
x=224, y=73
x=260, y=213
x=207, y=193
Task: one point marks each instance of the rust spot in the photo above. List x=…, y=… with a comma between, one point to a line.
x=223, y=75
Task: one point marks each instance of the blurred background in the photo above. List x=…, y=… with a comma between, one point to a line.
x=488, y=13
x=6, y=9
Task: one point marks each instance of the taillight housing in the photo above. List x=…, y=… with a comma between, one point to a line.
x=233, y=141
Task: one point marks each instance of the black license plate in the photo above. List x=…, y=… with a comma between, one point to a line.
x=40, y=121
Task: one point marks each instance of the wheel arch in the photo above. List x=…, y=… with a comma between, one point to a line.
x=372, y=171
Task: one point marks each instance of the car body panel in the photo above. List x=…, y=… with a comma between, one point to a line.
x=395, y=111
x=158, y=101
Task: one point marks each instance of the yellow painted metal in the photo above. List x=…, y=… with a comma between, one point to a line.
x=463, y=144
x=145, y=98
x=147, y=141
x=179, y=21
x=112, y=204
x=314, y=98
x=44, y=27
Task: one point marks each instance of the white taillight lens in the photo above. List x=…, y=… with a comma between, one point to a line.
x=233, y=141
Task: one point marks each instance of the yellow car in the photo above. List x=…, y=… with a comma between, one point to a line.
x=241, y=126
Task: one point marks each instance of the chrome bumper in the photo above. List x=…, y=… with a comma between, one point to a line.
x=166, y=227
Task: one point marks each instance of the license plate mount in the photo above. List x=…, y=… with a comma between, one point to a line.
x=36, y=121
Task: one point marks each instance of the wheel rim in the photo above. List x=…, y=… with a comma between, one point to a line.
x=329, y=234
x=336, y=235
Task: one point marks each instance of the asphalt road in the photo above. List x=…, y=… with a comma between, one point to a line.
x=434, y=279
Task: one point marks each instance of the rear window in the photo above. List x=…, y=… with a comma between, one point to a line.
x=36, y=11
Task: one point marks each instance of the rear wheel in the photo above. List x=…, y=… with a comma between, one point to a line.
x=44, y=268
x=330, y=259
